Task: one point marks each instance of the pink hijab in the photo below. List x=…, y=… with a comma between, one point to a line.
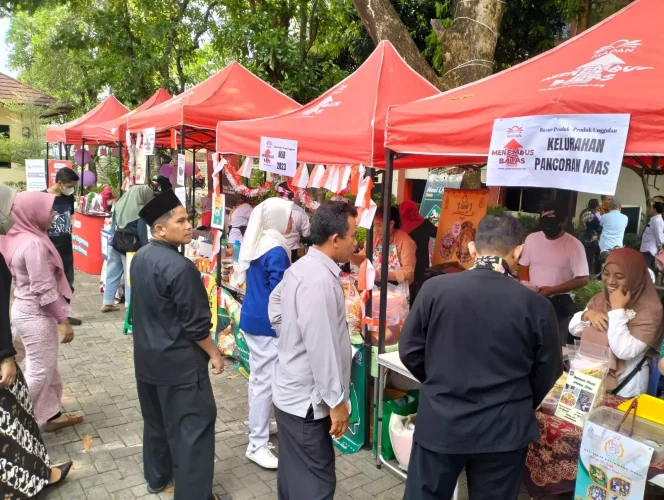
x=31, y=211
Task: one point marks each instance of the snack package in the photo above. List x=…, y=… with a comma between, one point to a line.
x=353, y=306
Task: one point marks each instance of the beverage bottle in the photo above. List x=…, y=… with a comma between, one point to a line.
x=236, y=251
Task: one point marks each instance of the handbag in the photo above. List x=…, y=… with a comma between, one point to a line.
x=629, y=377
x=125, y=241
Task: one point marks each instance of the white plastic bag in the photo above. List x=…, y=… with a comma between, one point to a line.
x=401, y=436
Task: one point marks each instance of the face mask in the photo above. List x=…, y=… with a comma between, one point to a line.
x=551, y=233
x=68, y=191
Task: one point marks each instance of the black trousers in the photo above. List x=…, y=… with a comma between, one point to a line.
x=592, y=256
x=491, y=476
x=650, y=260
x=306, y=457
x=178, y=436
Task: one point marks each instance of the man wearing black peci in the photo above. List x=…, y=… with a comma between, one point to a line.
x=486, y=351
x=171, y=322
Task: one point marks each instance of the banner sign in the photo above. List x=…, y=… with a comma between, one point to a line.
x=35, y=175
x=218, y=211
x=54, y=166
x=182, y=160
x=278, y=156
x=437, y=181
x=149, y=135
x=576, y=152
x=461, y=213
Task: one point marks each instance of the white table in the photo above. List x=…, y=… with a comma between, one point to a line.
x=391, y=361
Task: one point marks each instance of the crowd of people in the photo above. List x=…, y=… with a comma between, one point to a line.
x=510, y=329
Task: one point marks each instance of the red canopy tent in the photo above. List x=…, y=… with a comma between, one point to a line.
x=614, y=67
x=234, y=93
x=113, y=131
x=346, y=124
x=72, y=132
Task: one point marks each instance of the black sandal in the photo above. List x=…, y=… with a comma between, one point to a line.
x=64, y=471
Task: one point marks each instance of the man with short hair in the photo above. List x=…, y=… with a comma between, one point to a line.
x=554, y=263
x=171, y=322
x=590, y=222
x=485, y=349
x=311, y=381
x=60, y=232
x=614, y=224
x=604, y=207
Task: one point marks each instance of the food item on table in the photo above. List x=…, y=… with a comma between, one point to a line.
x=596, y=493
x=568, y=399
x=598, y=475
x=620, y=486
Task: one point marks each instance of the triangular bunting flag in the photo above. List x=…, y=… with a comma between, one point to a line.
x=364, y=193
x=316, y=178
x=344, y=178
x=301, y=178
x=332, y=181
x=247, y=167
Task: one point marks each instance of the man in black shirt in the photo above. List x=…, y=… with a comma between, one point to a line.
x=171, y=322
x=486, y=351
x=60, y=233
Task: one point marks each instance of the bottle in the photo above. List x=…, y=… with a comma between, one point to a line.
x=236, y=251
x=222, y=250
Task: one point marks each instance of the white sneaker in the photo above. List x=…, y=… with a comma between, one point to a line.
x=264, y=457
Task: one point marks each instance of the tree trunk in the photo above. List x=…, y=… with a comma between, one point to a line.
x=383, y=23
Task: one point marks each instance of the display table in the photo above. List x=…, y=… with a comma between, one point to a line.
x=391, y=361
x=553, y=460
x=86, y=240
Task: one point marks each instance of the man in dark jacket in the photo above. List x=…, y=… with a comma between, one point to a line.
x=486, y=351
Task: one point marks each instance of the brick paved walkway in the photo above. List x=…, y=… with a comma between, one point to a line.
x=98, y=374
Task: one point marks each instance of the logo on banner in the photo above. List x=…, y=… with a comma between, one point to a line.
x=514, y=132
x=267, y=154
x=603, y=67
x=614, y=449
x=328, y=102
x=513, y=154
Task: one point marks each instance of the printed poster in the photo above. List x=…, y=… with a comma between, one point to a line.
x=35, y=175
x=218, y=211
x=182, y=161
x=54, y=166
x=612, y=466
x=578, y=397
x=278, y=156
x=437, y=180
x=353, y=438
x=149, y=135
x=141, y=169
x=461, y=212
x=576, y=152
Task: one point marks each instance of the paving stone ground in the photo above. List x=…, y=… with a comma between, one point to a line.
x=98, y=374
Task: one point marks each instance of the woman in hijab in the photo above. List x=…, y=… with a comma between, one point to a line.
x=627, y=317
x=421, y=231
x=106, y=198
x=40, y=291
x=264, y=256
x=28, y=469
x=127, y=222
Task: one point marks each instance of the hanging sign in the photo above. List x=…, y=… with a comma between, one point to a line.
x=181, y=193
x=437, y=180
x=141, y=169
x=218, y=211
x=278, y=156
x=54, y=166
x=576, y=152
x=461, y=212
x=35, y=175
x=181, y=164
x=149, y=135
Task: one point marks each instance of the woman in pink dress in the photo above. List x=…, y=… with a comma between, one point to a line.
x=40, y=287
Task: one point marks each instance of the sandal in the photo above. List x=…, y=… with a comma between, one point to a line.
x=69, y=421
x=64, y=471
x=108, y=309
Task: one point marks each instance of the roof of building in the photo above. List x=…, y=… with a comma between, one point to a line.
x=12, y=90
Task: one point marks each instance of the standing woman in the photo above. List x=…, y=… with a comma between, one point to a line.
x=264, y=256
x=40, y=291
x=421, y=231
x=128, y=227
x=28, y=468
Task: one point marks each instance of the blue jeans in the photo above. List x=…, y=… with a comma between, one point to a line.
x=116, y=266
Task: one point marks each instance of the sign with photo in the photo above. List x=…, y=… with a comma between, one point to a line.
x=149, y=135
x=576, y=152
x=35, y=175
x=437, y=180
x=278, y=156
x=218, y=211
x=182, y=160
x=54, y=166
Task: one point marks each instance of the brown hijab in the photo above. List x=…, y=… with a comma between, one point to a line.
x=647, y=324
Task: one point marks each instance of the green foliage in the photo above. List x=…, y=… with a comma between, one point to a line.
x=632, y=240
x=583, y=295
x=530, y=223
x=32, y=142
x=18, y=186
x=361, y=235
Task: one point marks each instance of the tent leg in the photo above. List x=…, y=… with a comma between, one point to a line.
x=192, y=193
x=59, y=151
x=46, y=166
x=120, y=167
x=82, y=161
x=66, y=151
x=368, y=244
x=182, y=144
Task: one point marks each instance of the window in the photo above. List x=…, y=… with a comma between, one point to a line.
x=5, y=158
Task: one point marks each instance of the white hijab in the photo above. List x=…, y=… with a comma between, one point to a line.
x=265, y=231
x=7, y=196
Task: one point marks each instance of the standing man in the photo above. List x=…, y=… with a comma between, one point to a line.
x=554, y=263
x=590, y=222
x=66, y=181
x=614, y=224
x=484, y=348
x=312, y=373
x=604, y=207
x=172, y=348
x=301, y=225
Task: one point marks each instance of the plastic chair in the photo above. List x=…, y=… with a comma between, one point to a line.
x=655, y=376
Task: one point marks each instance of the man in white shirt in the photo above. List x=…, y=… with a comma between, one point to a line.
x=239, y=218
x=301, y=225
x=653, y=235
x=613, y=227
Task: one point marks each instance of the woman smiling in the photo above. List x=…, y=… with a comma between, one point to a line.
x=627, y=316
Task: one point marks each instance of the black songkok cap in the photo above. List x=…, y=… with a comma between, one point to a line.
x=158, y=206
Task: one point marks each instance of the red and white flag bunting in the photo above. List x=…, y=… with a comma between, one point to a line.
x=301, y=179
x=364, y=192
x=316, y=179
x=247, y=167
x=332, y=181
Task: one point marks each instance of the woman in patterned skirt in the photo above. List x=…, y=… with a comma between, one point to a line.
x=25, y=468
